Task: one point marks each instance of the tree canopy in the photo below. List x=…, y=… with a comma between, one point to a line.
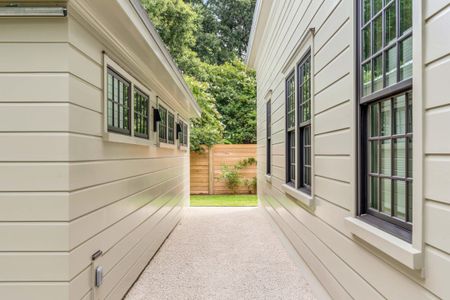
x=207, y=39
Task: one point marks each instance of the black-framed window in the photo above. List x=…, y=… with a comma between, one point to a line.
x=118, y=103
x=141, y=114
x=162, y=124
x=184, y=134
x=170, y=128
x=268, y=137
x=385, y=118
x=290, y=130
x=304, y=124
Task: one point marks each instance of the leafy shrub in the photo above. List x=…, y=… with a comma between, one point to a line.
x=233, y=179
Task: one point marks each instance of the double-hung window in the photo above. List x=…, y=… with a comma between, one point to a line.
x=298, y=171
x=290, y=130
x=304, y=124
x=141, y=114
x=119, y=103
x=385, y=118
x=268, y=137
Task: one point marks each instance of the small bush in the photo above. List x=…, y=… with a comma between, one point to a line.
x=233, y=179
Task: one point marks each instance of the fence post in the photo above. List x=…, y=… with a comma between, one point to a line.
x=211, y=171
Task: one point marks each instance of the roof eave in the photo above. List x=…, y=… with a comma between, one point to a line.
x=260, y=17
x=173, y=69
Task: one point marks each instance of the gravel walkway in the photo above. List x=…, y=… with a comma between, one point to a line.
x=222, y=253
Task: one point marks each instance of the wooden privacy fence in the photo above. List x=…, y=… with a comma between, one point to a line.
x=206, y=168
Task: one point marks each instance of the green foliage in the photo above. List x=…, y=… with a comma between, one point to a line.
x=207, y=39
x=207, y=130
x=233, y=86
x=251, y=185
x=224, y=29
x=176, y=23
x=232, y=177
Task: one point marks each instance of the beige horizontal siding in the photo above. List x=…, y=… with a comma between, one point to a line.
x=346, y=267
x=65, y=192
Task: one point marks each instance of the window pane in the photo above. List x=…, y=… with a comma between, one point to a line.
x=377, y=73
x=373, y=157
x=110, y=87
x=409, y=127
x=121, y=94
x=409, y=199
x=367, y=79
x=405, y=15
x=116, y=115
x=377, y=5
x=373, y=192
x=400, y=114
x=386, y=118
x=306, y=111
x=385, y=195
x=110, y=114
x=374, y=119
x=400, y=199
x=366, y=36
x=400, y=157
x=366, y=11
x=120, y=116
x=391, y=66
x=406, y=59
x=385, y=157
x=390, y=21
x=377, y=34
x=410, y=158
x=126, y=124
x=116, y=90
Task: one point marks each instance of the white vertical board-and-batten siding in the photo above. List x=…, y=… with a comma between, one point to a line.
x=65, y=192
x=349, y=268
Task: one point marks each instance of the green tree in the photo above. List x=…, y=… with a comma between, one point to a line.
x=207, y=130
x=224, y=29
x=233, y=86
x=207, y=44
x=176, y=23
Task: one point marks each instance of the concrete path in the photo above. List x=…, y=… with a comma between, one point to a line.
x=222, y=253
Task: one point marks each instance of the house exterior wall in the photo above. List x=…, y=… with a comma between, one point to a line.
x=349, y=266
x=67, y=189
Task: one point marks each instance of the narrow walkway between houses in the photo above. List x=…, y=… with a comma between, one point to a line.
x=222, y=253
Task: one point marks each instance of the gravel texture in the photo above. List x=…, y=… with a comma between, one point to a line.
x=222, y=253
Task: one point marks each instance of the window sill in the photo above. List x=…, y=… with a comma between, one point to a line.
x=395, y=247
x=298, y=195
x=268, y=178
x=125, y=139
x=167, y=146
x=183, y=148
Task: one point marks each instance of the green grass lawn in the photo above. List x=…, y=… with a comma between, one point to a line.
x=224, y=200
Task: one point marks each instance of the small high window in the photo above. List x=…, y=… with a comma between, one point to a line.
x=171, y=128
x=141, y=114
x=163, y=124
x=183, y=137
x=119, y=103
